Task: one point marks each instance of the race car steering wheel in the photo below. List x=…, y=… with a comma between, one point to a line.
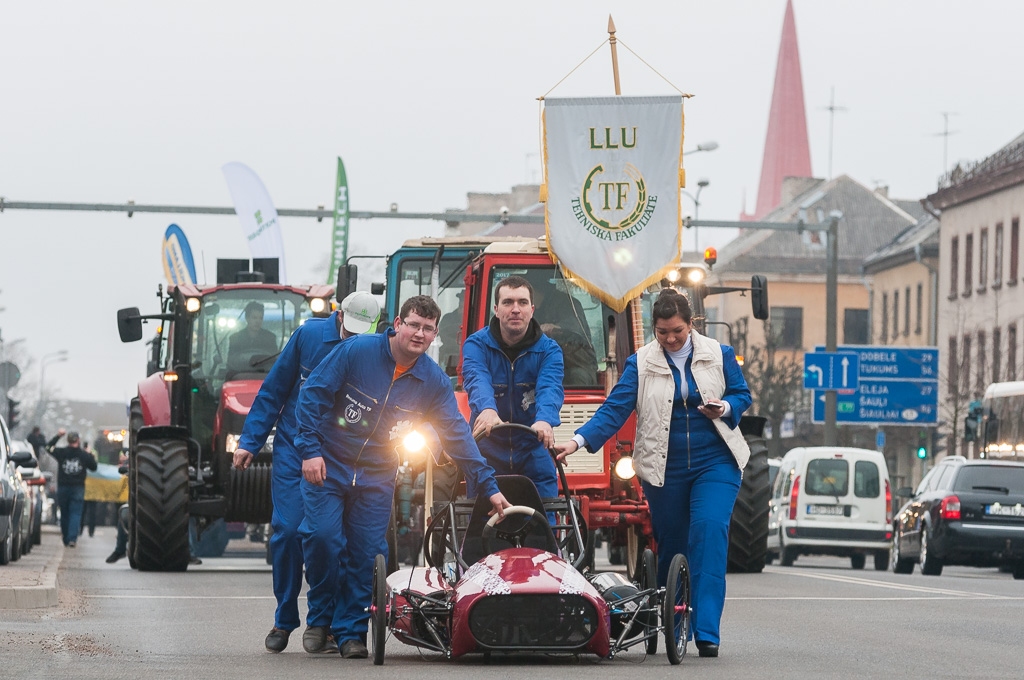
x=515, y=536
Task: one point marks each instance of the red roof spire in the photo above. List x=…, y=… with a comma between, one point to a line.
x=787, y=151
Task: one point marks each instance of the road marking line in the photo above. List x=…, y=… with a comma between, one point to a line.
x=882, y=584
x=183, y=597
x=987, y=598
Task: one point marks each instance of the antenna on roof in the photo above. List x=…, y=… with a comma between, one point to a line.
x=946, y=132
x=831, y=108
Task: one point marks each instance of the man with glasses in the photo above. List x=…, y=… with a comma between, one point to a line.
x=513, y=374
x=353, y=412
x=275, y=405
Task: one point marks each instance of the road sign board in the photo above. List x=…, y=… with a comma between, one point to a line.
x=880, y=440
x=900, y=363
x=888, y=402
x=831, y=370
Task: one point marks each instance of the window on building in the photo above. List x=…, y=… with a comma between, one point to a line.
x=895, y=314
x=964, y=377
x=884, y=332
x=954, y=266
x=968, y=264
x=787, y=324
x=906, y=311
x=855, y=327
x=982, y=367
x=997, y=261
x=1011, y=352
x=1014, y=251
x=952, y=368
x=983, y=260
x=920, y=306
x=997, y=353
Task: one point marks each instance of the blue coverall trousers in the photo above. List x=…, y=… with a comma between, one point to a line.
x=344, y=529
x=285, y=541
x=690, y=515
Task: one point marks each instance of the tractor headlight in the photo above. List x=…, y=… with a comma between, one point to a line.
x=695, y=275
x=231, y=442
x=317, y=305
x=193, y=304
x=624, y=468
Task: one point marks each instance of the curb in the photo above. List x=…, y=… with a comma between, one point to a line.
x=31, y=582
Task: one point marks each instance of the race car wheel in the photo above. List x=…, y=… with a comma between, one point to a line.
x=648, y=581
x=675, y=609
x=515, y=536
x=379, y=610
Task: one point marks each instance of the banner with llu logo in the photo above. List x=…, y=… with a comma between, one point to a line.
x=613, y=168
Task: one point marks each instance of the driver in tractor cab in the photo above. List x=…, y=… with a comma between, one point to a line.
x=275, y=404
x=513, y=374
x=252, y=341
x=561, y=318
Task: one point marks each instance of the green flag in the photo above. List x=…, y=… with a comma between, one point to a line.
x=339, y=239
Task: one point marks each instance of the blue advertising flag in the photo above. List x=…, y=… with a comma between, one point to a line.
x=179, y=267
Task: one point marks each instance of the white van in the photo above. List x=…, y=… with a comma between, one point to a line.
x=831, y=500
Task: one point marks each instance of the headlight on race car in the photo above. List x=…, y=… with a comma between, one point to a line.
x=231, y=442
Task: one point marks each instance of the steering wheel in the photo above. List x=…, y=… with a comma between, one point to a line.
x=507, y=426
x=515, y=536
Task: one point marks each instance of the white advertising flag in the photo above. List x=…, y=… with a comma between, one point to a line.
x=612, y=168
x=257, y=213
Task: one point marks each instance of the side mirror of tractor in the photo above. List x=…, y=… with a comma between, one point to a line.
x=348, y=275
x=759, y=296
x=129, y=324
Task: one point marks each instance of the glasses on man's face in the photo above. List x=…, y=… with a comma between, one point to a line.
x=416, y=327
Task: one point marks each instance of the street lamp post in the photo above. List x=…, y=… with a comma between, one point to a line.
x=701, y=183
x=52, y=358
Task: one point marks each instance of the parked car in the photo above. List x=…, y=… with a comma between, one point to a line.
x=25, y=457
x=830, y=500
x=964, y=512
x=13, y=499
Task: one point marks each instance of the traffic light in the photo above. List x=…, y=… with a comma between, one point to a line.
x=13, y=414
x=922, y=444
x=938, y=442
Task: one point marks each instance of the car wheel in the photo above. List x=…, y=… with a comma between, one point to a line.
x=930, y=565
x=882, y=560
x=787, y=555
x=7, y=547
x=858, y=560
x=900, y=565
x=1018, y=571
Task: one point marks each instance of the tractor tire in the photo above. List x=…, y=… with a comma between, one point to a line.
x=135, y=423
x=161, y=505
x=748, y=529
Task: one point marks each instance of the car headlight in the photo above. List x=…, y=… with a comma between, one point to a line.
x=231, y=442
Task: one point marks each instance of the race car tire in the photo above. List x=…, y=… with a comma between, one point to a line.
x=379, y=610
x=675, y=609
x=649, y=580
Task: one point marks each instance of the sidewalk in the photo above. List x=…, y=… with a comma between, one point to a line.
x=31, y=582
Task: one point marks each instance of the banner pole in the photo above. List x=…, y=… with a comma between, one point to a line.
x=615, y=54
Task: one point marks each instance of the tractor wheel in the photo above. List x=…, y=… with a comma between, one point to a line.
x=135, y=423
x=161, y=505
x=748, y=529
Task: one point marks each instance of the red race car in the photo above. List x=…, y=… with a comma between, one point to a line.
x=515, y=586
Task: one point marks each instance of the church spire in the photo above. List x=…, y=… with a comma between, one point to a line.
x=786, y=150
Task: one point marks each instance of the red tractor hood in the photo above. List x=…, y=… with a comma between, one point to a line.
x=237, y=395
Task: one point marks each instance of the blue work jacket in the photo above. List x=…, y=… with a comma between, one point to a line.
x=354, y=413
x=522, y=391
x=275, y=402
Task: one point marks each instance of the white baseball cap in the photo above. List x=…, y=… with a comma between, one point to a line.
x=361, y=312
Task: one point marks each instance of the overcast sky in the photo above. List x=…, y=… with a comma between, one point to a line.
x=424, y=101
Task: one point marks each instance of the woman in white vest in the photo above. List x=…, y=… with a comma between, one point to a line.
x=688, y=393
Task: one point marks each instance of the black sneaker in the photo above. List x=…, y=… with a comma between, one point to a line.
x=277, y=640
x=71, y=544
x=114, y=557
x=318, y=640
x=354, y=649
x=707, y=649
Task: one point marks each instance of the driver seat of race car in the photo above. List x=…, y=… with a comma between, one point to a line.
x=518, y=490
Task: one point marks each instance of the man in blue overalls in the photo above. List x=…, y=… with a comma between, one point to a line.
x=513, y=374
x=354, y=411
x=275, y=404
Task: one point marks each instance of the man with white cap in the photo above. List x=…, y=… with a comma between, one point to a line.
x=275, y=404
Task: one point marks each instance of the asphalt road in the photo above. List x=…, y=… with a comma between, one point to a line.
x=817, y=619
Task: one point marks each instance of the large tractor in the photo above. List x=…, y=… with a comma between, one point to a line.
x=214, y=345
